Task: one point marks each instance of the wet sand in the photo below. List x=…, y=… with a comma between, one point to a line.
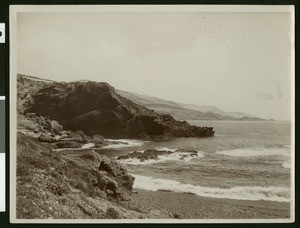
x=188, y=206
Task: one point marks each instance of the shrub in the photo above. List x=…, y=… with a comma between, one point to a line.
x=37, y=162
x=88, y=156
x=112, y=213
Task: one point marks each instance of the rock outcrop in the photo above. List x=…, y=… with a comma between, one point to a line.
x=96, y=108
x=27, y=86
x=50, y=131
x=114, y=179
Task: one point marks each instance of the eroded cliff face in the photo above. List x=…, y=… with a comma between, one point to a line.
x=96, y=108
x=26, y=87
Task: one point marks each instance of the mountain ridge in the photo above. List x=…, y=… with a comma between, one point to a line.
x=183, y=111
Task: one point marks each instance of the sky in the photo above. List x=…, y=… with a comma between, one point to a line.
x=238, y=62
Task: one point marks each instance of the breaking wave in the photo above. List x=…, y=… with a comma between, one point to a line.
x=176, y=156
x=88, y=145
x=165, y=149
x=123, y=143
x=271, y=193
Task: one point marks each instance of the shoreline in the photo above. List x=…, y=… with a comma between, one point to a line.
x=189, y=206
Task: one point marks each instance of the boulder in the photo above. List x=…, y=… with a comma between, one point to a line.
x=83, y=136
x=31, y=115
x=41, y=121
x=64, y=134
x=68, y=144
x=56, y=127
x=97, y=138
x=98, y=145
x=106, y=167
x=46, y=137
x=28, y=125
x=150, y=154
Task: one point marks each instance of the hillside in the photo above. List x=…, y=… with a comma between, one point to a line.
x=204, y=108
x=186, y=111
x=57, y=176
x=72, y=185
x=240, y=115
x=96, y=108
x=146, y=100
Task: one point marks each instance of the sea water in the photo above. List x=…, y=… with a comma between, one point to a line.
x=248, y=160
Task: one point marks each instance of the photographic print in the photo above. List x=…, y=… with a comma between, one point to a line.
x=134, y=114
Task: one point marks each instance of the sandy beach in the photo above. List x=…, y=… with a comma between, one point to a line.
x=188, y=206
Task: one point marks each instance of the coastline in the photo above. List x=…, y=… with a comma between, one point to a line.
x=189, y=206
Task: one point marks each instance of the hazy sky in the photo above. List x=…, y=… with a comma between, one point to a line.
x=234, y=61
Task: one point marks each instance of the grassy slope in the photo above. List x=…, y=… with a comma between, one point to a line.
x=54, y=185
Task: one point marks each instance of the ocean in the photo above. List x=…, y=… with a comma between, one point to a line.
x=246, y=160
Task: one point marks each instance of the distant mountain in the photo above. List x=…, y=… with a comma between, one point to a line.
x=209, y=108
x=240, y=115
x=96, y=108
x=186, y=111
x=147, y=100
x=204, y=108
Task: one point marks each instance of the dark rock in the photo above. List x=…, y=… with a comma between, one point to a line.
x=106, y=167
x=114, y=180
x=150, y=154
x=30, y=115
x=97, y=138
x=117, y=173
x=98, y=145
x=41, y=121
x=176, y=215
x=187, y=150
x=84, y=137
x=126, y=156
x=56, y=127
x=68, y=144
x=102, y=182
x=112, y=188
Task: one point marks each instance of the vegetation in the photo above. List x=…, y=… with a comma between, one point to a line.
x=62, y=185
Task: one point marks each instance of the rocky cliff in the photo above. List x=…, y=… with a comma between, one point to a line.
x=26, y=87
x=96, y=108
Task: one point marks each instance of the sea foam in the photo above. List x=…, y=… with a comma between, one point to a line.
x=123, y=143
x=88, y=145
x=271, y=193
x=175, y=156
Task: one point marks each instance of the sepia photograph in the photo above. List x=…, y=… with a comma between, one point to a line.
x=152, y=114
